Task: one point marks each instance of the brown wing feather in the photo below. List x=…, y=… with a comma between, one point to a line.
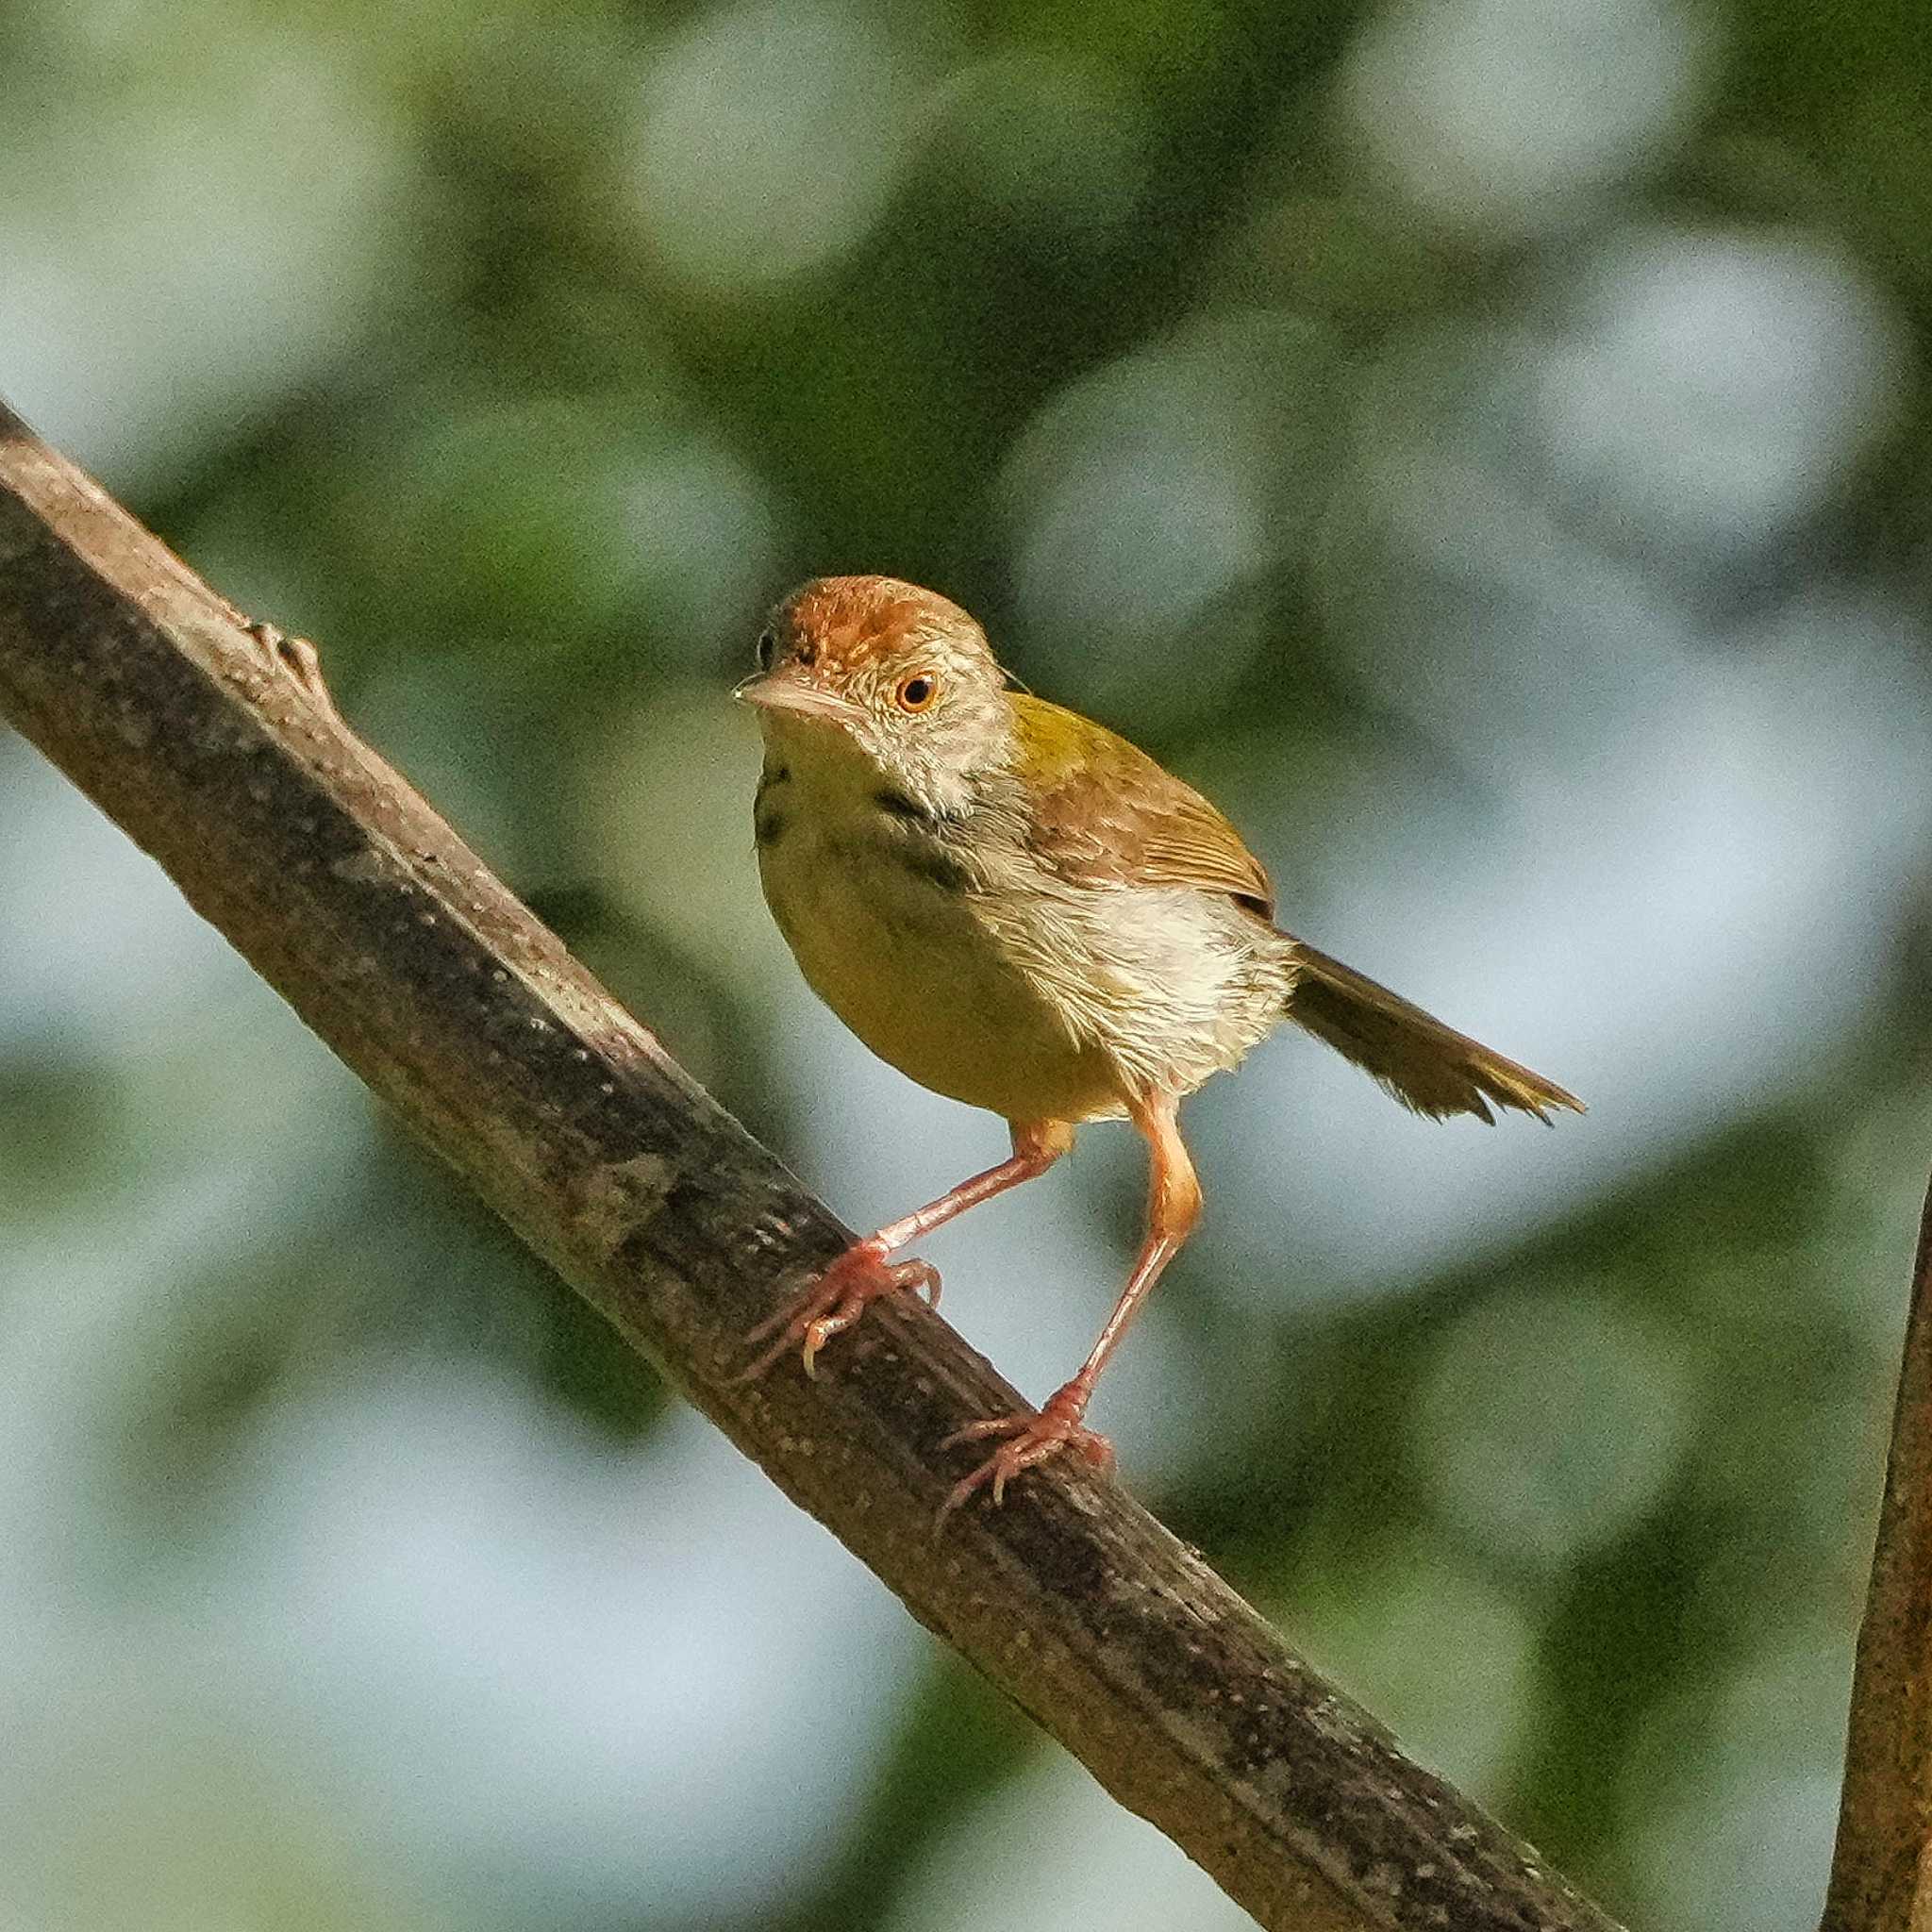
x=1105, y=813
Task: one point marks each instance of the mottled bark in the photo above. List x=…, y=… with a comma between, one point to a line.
x=215, y=747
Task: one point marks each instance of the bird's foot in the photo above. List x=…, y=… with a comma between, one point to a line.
x=1030, y=1438
x=835, y=1301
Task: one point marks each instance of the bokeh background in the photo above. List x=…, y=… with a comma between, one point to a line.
x=1482, y=441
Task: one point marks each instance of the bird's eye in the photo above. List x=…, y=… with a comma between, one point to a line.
x=768, y=648
x=916, y=694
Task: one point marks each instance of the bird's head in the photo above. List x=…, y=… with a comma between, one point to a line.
x=872, y=668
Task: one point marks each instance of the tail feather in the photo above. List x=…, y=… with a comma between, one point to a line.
x=1425, y=1064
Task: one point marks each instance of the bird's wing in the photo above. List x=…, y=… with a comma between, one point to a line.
x=1102, y=812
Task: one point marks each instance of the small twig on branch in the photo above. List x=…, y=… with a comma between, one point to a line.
x=1881, y=1872
x=215, y=747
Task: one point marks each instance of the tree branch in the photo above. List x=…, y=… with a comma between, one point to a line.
x=213, y=744
x=1881, y=1871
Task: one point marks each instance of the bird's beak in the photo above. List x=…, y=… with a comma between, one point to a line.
x=786, y=689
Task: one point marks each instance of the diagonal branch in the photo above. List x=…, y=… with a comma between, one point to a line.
x=213, y=744
x=1881, y=1871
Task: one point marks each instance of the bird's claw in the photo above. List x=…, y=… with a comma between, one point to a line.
x=1030, y=1439
x=834, y=1302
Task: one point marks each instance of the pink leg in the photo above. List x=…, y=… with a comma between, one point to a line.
x=863, y=1273
x=1174, y=1208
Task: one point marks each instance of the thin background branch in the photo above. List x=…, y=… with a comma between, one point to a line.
x=1881, y=1872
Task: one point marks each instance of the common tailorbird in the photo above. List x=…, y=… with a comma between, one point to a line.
x=1022, y=910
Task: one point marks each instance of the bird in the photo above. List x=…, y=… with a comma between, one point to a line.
x=1024, y=911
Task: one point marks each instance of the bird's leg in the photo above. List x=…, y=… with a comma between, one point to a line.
x=863, y=1273
x=1174, y=1208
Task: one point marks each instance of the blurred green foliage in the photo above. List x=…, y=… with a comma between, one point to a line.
x=1483, y=443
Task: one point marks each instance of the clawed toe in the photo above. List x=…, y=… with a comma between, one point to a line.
x=834, y=1302
x=1030, y=1439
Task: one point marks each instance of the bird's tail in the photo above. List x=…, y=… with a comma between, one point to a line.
x=1426, y=1065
